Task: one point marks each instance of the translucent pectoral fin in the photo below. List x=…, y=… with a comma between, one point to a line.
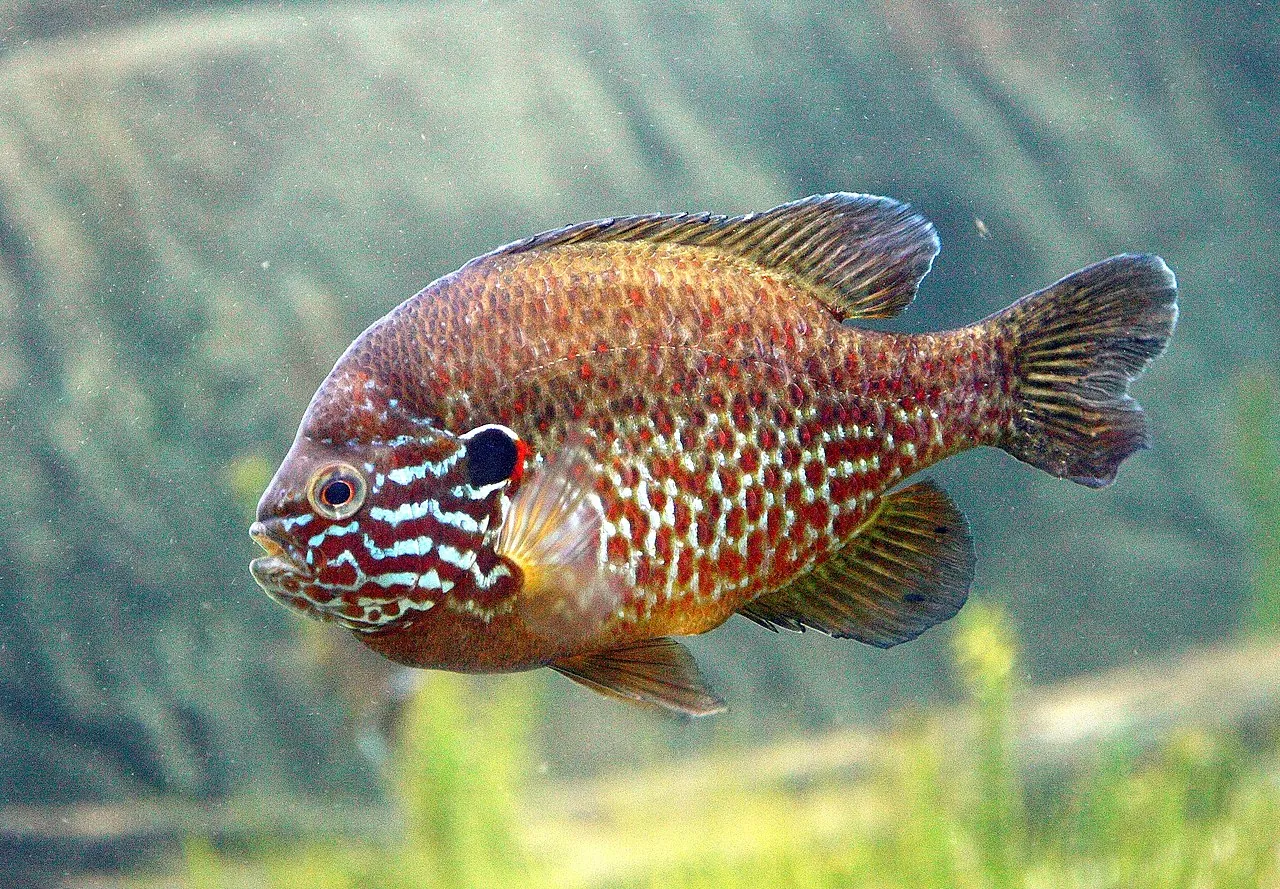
x=552, y=533
x=907, y=568
x=657, y=672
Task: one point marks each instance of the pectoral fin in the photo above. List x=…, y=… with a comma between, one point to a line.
x=552, y=534
x=657, y=672
x=907, y=568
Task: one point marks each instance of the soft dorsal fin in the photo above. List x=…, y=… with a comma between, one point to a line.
x=907, y=568
x=658, y=672
x=863, y=255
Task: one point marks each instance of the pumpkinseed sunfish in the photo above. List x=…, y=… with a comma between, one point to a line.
x=585, y=443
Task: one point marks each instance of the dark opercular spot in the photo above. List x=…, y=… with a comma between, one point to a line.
x=337, y=492
x=491, y=457
x=913, y=598
x=941, y=529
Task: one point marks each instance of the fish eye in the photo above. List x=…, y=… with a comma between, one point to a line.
x=336, y=491
x=492, y=454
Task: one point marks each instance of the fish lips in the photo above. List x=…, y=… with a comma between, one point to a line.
x=280, y=572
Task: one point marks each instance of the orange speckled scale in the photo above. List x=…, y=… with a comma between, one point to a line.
x=632, y=429
x=710, y=386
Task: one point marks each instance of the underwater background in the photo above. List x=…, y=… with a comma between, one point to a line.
x=202, y=203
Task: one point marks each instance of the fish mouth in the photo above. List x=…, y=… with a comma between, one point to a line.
x=280, y=570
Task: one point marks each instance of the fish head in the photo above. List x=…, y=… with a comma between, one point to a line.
x=377, y=515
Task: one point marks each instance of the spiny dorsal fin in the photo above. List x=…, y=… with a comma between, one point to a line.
x=864, y=255
x=657, y=672
x=907, y=568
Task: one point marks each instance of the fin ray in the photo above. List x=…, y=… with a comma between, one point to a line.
x=863, y=256
x=1079, y=344
x=907, y=568
x=657, y=672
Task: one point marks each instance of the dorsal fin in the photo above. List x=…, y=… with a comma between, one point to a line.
x=863, y=255
x=907, y=568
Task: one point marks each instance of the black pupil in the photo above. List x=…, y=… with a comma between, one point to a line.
x=491, y=457
x=337, y=492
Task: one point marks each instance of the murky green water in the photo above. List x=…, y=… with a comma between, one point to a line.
x=201, y=206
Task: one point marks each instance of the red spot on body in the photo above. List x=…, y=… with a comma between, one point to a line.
x=707, y=522
x=790, y=457
x=844, y=490
x=775, y=520
x=814, y=473
x=638, y=520
x=731, y=563
x=662, y=545
x=618, y=550
x=749, y=462
x=613, y=511
x=689, y=438
x=754, y=503
x=657, y=498
x=735, y=523
x=756, y=548
x=816, y=514
x=771, y=478
x=684, y=569
x=683, y=517
x=663, y=422
x=662, y=468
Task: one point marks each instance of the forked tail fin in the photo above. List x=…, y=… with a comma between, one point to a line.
x=1077, y=345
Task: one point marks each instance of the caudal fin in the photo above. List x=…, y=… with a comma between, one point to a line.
x=1077, y=346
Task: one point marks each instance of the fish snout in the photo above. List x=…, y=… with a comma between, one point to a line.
x=281, y=568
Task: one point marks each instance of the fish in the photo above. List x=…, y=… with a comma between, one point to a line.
x=585, y=444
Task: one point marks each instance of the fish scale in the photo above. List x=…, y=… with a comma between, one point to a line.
x=585, y=443
x=823, y=407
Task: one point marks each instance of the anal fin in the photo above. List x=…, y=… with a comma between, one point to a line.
x=907, y=568
x=658, y=672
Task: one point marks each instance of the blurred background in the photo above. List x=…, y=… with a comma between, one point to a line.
x=202, y=203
